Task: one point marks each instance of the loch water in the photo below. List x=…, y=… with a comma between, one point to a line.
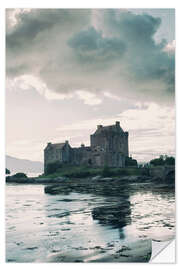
x=39, y=225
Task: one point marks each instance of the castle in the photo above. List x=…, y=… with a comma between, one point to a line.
x=108, y=147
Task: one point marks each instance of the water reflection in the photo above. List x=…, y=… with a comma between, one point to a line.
x=121, y=234
x=118, y=215
x=38, y=224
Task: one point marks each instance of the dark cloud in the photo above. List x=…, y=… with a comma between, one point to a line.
x=90, y=47
x=129, y=25
x=145, y=59
x=68, y=52
x=31, y=24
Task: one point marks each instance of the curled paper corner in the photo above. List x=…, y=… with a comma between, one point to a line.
x=163, y=252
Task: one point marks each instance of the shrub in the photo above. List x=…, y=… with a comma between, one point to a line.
x=106, y=172
x=157, y=161
x=170, y=161
x=20, y=175
x=7, y=171
x=130, y=162
x=145, y=171
x=163, y=160
x=120, y=172
x=78, y=174
x=52, y=167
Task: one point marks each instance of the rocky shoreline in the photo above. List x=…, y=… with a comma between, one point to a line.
x=108, y=186
x=98, y=185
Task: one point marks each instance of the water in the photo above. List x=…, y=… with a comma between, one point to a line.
x=39, y=225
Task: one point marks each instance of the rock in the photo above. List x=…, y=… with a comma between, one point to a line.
x=42, y=180
x=156, y=179
x=123, y=248
x=31, y=248
x=97, y=177
x=52, y=189
x=110, y=244
x=133, y=177
x=60, y=215
x=12, y=179
x=106, y=179
x=60, y=178
x=67, y=200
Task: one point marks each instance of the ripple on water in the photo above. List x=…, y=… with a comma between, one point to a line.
x=49, y=224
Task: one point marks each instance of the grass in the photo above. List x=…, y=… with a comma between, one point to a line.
x=85, y=171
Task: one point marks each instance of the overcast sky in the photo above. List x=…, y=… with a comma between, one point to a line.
x=70, y=70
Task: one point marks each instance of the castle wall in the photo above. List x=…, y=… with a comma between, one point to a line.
x=109, y=147
x=97, y=140
x=82, y=156
x=54, y=154
x=66, y=153
x=111, y=142
x=126, y=144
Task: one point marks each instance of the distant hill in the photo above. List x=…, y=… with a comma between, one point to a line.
x=23, y=165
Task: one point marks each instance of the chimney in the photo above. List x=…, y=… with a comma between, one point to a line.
x=67, y=142
x=49, y=143
x=99, y=126
x=117, y=123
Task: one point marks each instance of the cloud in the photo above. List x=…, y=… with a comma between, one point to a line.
x=88, y=98
x=151, y=130
x=170, y=47
x=91, y=48
x=96, y=51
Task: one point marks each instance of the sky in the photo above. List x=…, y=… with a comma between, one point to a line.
x=69, y=70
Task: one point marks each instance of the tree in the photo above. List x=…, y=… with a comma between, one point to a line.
x=8, y=171
x=157, y=161
x=170, y=161
x=163, y=160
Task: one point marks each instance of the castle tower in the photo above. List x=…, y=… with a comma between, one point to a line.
x=111, y=143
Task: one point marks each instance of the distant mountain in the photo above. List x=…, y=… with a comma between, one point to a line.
x=23, y=165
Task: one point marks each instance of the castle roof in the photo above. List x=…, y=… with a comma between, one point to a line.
x=112, y=128
x=56, y=145
x=82, y=148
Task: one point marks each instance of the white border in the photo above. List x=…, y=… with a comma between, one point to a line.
x=72, y=4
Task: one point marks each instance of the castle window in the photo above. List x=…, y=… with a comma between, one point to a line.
x=89, y=161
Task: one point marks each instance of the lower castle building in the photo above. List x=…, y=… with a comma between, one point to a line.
x=108, y=147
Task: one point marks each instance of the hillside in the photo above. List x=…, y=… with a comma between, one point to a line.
x=23, y=165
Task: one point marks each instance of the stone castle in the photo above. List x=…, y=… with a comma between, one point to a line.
x=108, y=147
